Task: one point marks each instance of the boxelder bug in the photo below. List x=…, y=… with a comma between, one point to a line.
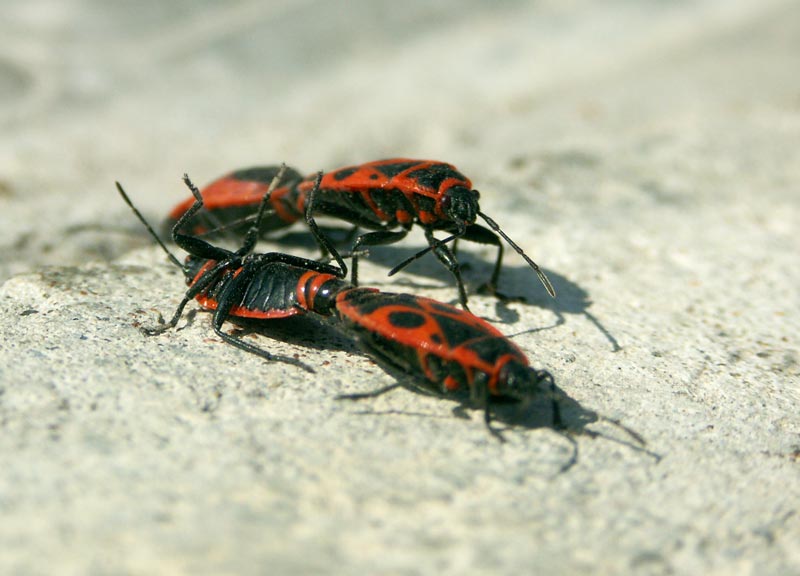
x=388, y=197
x=447, y=349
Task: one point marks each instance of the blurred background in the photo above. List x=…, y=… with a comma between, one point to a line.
x=646, y=153
x=513, y=92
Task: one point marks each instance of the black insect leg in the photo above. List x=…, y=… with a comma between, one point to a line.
x=205, y=280
x=231, y=295
x=558, y=423
x=480, y=235
x=379, y=238
x=171, y=324
x=487, y=418
x=446, y=257
x=323, y=242
x=480, y=398
x=545, y=376
x=202, y=249
x=191, y=244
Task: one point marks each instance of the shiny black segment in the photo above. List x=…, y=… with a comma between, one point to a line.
x=344, y=173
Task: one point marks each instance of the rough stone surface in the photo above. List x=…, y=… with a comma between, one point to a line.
x=646, y=153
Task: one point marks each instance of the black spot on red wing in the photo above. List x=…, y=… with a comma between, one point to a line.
x=436, y=338
x=373, y=176
x=432, y=176
x=457, y=332
x=265, y=174
x=490, y=350
x=406, y=319
x=344, y=173
x=391, y=170
x=387, y=350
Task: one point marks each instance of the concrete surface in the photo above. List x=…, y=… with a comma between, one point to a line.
x=647, y=154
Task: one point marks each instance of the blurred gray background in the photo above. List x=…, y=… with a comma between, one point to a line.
x=645, y=153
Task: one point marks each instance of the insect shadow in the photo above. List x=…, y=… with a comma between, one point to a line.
x=574, y=420
x=305, y=331
x=571, y=299
x=552, y=408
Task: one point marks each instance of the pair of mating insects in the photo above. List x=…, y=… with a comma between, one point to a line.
x=444, y=348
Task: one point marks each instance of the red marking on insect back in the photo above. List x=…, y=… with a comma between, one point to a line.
x=233, y=198
x=370, y=202
x=210, y=303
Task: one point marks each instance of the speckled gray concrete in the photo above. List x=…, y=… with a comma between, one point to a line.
x=646, y=153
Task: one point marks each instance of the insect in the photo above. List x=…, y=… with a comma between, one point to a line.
x=388, y=197
x=235, y=284
x=446, y=349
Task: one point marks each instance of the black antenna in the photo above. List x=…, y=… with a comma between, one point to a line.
x=542, y=278
x=147, y=225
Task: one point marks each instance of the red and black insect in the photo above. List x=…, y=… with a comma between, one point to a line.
x=388, y=197
x=237, y=284
x=446, y=349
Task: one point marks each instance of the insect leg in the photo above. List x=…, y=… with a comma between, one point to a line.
x=480, y=235
x=379, y=238
x=230, y=295
x=323, y=242
x=446, y=257
x=205, y=280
